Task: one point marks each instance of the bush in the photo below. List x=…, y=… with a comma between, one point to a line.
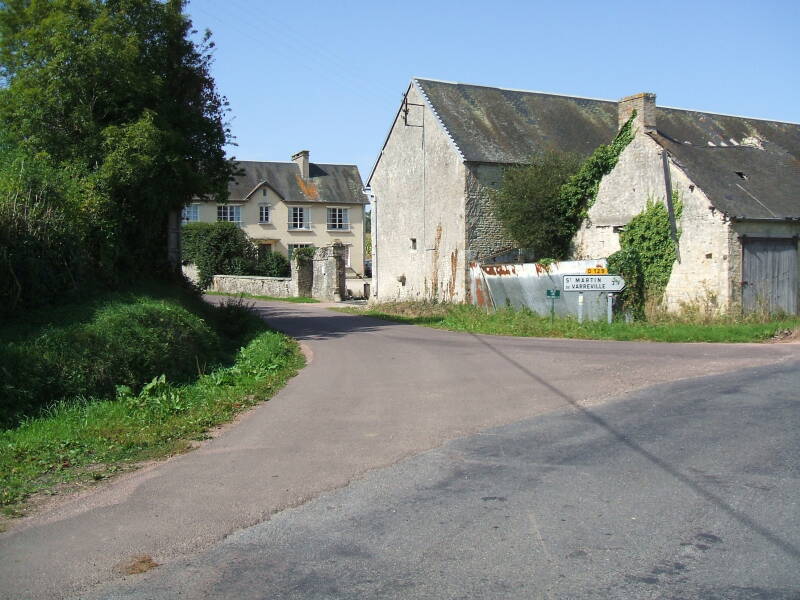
x=124, y=343
x=530, y=207
x=272, y=265
x=218, y=249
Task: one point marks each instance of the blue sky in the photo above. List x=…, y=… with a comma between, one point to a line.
x=329, y=76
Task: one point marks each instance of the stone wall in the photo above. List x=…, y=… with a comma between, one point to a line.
x=486, y=236
x=705, y=275
x=322, y=278
x=328, y=282
x=277, y=287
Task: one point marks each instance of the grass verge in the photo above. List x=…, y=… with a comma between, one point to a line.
x=462, y=317
x=93, y=388
x=88, y=440
x=297, y=300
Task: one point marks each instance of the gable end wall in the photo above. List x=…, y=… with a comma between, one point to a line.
x=418, y=186
x=706, y=274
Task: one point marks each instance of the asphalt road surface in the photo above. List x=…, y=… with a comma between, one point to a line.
x=688, y=490
x=375, y=394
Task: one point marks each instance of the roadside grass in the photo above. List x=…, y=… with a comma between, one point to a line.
x=176, y=367
x=297, y=300
x=122, y=338
x=666, y=328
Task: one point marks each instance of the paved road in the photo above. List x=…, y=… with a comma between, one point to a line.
x=374, y=394
x=687, y=490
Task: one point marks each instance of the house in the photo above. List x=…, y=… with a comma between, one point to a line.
x=282, y=206
x=737, y=177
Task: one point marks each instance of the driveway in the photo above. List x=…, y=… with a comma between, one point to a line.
x=373, y=394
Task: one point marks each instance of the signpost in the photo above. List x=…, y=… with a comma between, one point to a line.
x=552, y=295
x=593, y=283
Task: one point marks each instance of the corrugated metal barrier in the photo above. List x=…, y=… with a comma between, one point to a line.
x=521, y=285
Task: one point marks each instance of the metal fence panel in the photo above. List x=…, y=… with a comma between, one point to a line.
x=525, y=285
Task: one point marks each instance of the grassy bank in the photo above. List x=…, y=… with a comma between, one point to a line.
x=460, y=317
x=225, y=361
x=296, y=299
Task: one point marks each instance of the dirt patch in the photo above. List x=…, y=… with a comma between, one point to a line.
x=140, y=563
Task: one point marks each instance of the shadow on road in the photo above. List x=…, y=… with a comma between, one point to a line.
x=782, y=544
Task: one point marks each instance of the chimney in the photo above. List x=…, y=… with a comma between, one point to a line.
x=301, y=160
x=645, y=106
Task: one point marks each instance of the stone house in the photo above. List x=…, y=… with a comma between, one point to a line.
x=737, y=177
x=286, y=205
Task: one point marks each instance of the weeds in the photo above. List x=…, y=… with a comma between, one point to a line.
x=663, y=328
x=90, y=439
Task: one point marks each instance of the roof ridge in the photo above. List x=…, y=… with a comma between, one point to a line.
x=505, y=89
x=707, y=112
x=290, y=162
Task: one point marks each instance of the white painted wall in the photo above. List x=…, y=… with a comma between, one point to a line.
x=419, y=187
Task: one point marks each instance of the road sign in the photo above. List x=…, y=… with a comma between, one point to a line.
x=597, y=271
x=554, y=293
x=593, y=283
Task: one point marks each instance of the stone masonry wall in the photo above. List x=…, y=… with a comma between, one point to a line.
x=486, y=236
x=328, y=281
x=277, y=287
x=704, y=274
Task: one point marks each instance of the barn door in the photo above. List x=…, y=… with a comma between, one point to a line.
x=769, y=275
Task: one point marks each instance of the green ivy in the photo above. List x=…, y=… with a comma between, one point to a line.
x=646, y=256
x=580, y=191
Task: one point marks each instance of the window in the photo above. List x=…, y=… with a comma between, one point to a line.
x=338, y=219
x=229, y=212
x=347, y=255
x=293, y=247
x=413, y=243
x=190, y=214
x=298, y=218
x=264, y=213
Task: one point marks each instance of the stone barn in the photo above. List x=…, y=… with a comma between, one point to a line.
x=738, y=178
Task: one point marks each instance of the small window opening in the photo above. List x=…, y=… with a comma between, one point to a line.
x=742, y=175
x=413, y=243
x=709, y=255
x=691, y=187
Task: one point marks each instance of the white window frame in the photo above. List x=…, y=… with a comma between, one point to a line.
x=305, y=221
x=261, y=210
x=190, y=213
x=290, y=248
x=231, y=213
x=338, y=218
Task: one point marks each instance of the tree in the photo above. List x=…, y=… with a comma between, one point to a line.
x=529, y=204
x=115, y=93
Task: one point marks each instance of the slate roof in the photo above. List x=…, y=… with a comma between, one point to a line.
x=494, y=125
x=326, y=184
x=743, y=182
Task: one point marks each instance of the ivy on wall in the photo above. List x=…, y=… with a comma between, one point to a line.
x=646, y=256
x=542, y=205
x=580, y=191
